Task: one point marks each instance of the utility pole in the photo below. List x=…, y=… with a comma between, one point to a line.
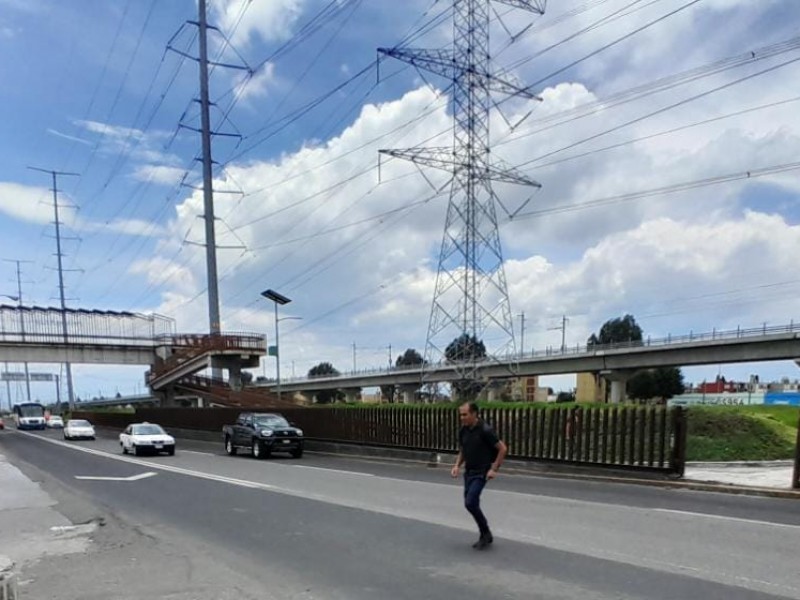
x=58, y=393
x=354, y=357
x=522, y=332
x=563, y=328
x=390, y=356
x=60, y=256
x=22, y=324
x=214, y=319
x=208, y=190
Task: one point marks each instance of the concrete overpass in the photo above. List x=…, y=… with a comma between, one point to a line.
x=616, y=361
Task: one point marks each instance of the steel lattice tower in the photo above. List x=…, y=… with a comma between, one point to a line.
x=471, y=295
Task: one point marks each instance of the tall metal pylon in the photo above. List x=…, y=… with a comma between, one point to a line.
x=471, y=295
x=206, y=135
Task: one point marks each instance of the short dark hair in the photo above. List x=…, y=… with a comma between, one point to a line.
x=472, y=407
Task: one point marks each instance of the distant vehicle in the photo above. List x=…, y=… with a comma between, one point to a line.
x=55, y=422
x=146, y=437
x=262, y=434
x=77, y=429
x=30, y=415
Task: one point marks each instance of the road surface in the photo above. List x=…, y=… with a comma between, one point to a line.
x=329, y=527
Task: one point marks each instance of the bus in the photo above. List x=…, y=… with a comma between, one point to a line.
x=30, y=415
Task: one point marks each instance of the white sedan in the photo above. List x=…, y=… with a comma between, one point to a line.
x=76, y=429
x=55, y=422
x=146, y=437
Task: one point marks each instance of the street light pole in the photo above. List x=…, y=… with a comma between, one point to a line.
x=277, y=355
x=277, y=299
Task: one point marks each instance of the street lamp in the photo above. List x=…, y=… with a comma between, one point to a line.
x=277, y=299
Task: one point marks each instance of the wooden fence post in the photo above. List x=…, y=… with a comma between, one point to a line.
x=796, y=474
x=677, y=461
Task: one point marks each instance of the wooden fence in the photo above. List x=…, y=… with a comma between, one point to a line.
x=647, y=438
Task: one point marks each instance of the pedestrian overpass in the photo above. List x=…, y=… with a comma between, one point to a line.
x=37, y=334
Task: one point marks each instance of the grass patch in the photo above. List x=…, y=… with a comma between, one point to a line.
x=723, y=433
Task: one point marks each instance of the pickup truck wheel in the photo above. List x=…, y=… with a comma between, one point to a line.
x=136, y=450
x=230, y=449
x=124, y=449
x=258, y=450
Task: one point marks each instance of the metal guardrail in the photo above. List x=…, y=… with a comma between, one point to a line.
x=578, y=350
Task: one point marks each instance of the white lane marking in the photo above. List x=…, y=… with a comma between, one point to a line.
x=197, y=452
x=329, y=470
x=131, y=478
x=160, y=466
x=724, y=518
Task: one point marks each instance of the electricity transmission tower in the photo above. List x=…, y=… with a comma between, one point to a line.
x=471, y=294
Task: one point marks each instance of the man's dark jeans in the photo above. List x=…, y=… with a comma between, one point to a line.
x=474, y=482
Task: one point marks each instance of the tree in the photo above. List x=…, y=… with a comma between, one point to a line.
x=466, y=348
x=615, y=331
x=321, y=370
x=409, y=358
x=663, y=382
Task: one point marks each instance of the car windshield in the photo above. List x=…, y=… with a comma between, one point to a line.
x=55, y=418
x=147, y=430
x=78, y=423
x=271, y=421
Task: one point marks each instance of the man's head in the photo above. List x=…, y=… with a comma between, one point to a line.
x=468, y=414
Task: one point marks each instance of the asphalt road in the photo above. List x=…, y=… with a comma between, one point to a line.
x=341, y=528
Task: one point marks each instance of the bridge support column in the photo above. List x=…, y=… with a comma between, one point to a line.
x=619, y=379
x=407, y=393
x=352, y=395
x=166, y=397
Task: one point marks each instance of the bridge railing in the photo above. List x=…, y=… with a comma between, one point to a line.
x=186, y=347
x=48, y=325
x=579, y=349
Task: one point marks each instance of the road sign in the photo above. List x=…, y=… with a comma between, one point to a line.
x=18, y=376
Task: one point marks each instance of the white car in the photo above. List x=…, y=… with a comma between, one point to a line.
x=146, y=437
x=55, y=422
x=76, y=429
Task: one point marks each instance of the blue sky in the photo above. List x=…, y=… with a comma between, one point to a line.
x=89, y=87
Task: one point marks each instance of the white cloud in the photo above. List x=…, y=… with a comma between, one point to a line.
x=135, y=227
x=162, y=174
x=267, y=20
x=258, y=85
x=33, y=204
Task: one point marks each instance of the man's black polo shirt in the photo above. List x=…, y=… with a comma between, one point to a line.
x=478, y=446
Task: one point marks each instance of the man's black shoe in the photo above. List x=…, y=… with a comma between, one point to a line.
x=483, y=542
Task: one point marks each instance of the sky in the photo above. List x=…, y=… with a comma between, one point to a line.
x=661, y=137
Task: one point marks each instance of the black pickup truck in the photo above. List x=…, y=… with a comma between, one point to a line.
x=262, y=434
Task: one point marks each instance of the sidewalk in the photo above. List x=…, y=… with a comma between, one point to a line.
x=777, y=474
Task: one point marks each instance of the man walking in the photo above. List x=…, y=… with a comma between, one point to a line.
x=482, y=453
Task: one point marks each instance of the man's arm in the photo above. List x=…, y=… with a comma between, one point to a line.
x=502, y=450
x=456, y=467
